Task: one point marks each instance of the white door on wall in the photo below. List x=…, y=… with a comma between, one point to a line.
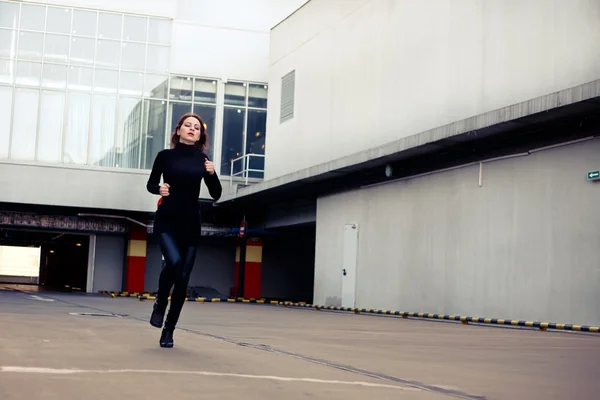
x=349, y=262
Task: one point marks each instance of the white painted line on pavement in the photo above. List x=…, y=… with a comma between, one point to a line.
x=35, y=297
x=56, y=371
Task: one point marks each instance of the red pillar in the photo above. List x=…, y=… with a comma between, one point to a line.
x=136, y=259
x=253, y=268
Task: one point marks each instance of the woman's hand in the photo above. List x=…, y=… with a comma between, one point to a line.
x=210, y=167
x=164, y=189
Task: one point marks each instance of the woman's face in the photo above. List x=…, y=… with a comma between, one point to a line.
x=189, y=133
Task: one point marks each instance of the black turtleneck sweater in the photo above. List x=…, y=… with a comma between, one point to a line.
x=182, y=168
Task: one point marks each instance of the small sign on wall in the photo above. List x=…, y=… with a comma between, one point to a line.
x=593, y=175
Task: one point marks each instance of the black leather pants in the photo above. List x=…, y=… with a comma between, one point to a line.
x=177, y=268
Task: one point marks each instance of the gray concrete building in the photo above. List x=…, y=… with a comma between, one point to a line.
x=422, y=156
x=441, y=150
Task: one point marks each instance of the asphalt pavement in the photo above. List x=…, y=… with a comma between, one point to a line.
x=57, y=346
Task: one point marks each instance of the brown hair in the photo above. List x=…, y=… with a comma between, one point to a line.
x=202, y=143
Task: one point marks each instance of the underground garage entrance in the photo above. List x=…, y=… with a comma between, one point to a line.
x=52, y=260
x=288, y=264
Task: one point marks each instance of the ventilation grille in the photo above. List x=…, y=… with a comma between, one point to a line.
x=288, y=85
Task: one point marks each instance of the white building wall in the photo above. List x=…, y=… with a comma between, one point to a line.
x=220, y=52
x=60, y=185
x=369, y=72
x=157, y=8
x=522, y=246
x=227, y=39
x=217, y=39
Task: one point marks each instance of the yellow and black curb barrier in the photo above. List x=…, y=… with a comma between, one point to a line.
x=236, y=300
x=121, y=294
x=152, y=296
x=543, y=326
x=465, y=320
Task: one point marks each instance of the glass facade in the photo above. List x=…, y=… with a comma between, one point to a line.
x=244, y=129
x=90, y=87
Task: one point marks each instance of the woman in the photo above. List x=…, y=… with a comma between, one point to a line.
x=177, y=222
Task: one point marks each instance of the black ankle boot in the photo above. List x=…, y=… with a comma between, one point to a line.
x=158, y=315
x=166, y=338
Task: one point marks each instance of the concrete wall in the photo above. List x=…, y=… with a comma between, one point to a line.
x=64, y=185
x=525, y=245
x=109, y=264
x=371, y=72
x=214, y=266
x=226, y=38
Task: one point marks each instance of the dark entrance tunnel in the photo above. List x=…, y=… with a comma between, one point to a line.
x=63, y=259
x=288, y=264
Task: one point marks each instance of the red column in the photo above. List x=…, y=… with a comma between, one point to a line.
x=253, y=268
x=136, y=259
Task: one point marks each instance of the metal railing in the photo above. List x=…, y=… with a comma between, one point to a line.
x=245, y=167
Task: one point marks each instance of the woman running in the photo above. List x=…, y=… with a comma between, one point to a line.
x=177, y=221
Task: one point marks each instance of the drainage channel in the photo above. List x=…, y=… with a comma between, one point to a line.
x=264, y=347
x=89, y=314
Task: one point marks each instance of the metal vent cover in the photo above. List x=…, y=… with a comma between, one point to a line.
x=288, y=88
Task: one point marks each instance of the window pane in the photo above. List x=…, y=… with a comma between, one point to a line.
x=257, y=96
x=134, y=28
x=181, y=88
x=78, y=127
x=208, y=113
x=7, y=71
x=235, y=93
x=54, y=76
x=22, y=146
x=51, y=118
x=257, y=125
x=106, y=80
x=109, y=26
x=8, y=42
x=107, y=53
x=155, y=117
x=233, y=139
x=9, y=15
x=159, y=31
x=133, y=55
x=31, y=46
x=157, y=59
x=176, y=110
x=81, y=78
x=6, y=94
x=102, y=140
x=56, y=48
x=84, y=23
x=205, y=91
x=128, y=133
x=33, y=17
x=156, y=86
x=255, y=141
x=59, y=20
x=28, y=73
x=131, y=83
x=82, y=51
